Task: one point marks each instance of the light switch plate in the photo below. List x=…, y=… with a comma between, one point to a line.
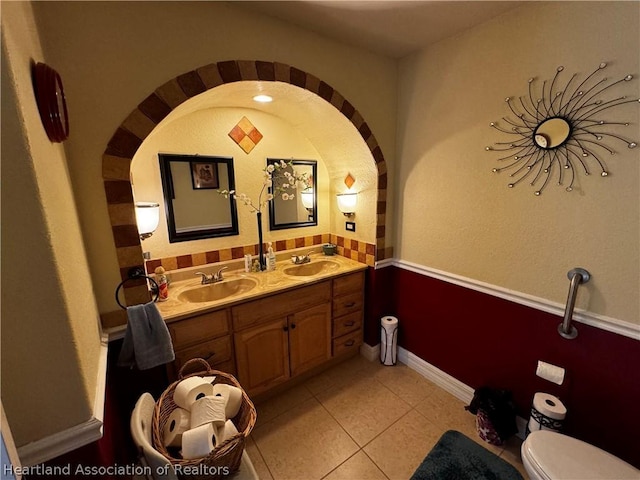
x=350, y=226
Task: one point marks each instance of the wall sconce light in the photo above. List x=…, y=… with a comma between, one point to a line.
x=307, y=199
x=147, y=218
x=347, y=203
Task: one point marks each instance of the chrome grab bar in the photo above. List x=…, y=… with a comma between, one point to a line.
x=577, y=276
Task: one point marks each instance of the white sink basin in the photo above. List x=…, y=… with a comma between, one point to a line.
x=310, y=269
x=217, y=291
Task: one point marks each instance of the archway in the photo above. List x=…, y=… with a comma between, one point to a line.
x=141, y=121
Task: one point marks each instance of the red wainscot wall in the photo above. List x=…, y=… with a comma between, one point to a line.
x=480, y=340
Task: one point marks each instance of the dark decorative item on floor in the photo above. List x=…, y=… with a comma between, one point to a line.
x=495, y=414
x=559, y=129
x=456, y=457
x=51, y=101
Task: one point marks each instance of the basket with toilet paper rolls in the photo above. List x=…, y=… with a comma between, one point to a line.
x=201, y=421
x=547, y=413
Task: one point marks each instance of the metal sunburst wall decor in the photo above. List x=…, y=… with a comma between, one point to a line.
x=559, y=130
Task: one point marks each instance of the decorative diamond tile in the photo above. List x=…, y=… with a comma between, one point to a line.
x=245, y=135
x=349, y=180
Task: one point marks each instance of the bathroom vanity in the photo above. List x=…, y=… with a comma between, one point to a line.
x=283, y=324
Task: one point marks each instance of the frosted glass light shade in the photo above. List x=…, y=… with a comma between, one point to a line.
x=307, y=198
x=147, y=218
x=347, y=202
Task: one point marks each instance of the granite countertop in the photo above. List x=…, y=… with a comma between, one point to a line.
x=266, y=283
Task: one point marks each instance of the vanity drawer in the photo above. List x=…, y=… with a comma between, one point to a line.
x=346, y=304
x=346, y=324
x=196, y=329
x=215, y=352
x=346, y=343
x=281, y=305
x=348, y=284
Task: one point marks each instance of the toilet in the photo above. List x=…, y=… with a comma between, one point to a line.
x=548, y=455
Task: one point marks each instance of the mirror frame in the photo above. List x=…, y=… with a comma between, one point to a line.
x=165, y=160
x=272, y=208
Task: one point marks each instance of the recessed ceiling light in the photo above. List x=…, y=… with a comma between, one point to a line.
x=263, y=98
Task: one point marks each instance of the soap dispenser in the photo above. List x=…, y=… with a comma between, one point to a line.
x=271, y=258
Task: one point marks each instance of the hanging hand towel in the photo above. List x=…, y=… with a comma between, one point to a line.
x=147, y=342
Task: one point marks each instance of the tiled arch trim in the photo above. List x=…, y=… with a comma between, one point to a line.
x=124, y=143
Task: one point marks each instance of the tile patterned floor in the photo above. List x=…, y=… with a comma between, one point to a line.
x=359, y=421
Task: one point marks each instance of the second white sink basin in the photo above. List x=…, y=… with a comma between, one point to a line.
x=310, y=269
x=217, y=291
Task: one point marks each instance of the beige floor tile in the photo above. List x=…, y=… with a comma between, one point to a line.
x=363, y=408
x=400, y=449
x=358, y=467
x=342, y=374
x=275, y=406
x=447, y=411
x=305, y=443
x=256, y=459
x=511, y=454
x=409, y=385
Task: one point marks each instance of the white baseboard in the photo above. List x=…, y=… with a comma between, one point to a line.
x=369, y=352
x=445, y=381
x=77, y=436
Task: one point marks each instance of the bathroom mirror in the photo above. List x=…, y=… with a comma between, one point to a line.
x=301, y=211
x=194, y=209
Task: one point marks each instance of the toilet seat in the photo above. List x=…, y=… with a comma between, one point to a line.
x=554, y=456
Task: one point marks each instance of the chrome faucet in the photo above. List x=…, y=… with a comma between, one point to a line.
x=213, y=278
x=300, y=259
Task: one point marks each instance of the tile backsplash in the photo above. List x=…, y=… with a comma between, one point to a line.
x=356, y=250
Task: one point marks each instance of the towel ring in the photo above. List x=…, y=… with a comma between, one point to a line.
x=135, y=274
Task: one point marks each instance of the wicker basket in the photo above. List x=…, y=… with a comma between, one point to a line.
x=228, y=453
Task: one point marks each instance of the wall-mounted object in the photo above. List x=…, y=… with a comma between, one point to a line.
x=51, y=101
x=301, y=211
x=558, y=130
x=347, y=203
x=193, y=206
x=245, y=134
x=147, y=218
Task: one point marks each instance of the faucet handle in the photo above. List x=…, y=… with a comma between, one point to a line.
x=204, y=277
x=218, y=276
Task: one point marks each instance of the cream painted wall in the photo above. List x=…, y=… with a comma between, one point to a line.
x=205, y=132
x=50, y=324
x=112, y=55
x=455, y=215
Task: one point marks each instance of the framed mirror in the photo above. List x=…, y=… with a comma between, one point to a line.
x=302, y=211
x=194, y=209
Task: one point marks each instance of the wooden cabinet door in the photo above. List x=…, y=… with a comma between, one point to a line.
x=310, y=338
x=262, y=356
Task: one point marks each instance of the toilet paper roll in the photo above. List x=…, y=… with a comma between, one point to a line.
x=177, y=423
x=199, y=442
x=232, y=395
x=389, y=323
x=209, y=409
x=191, y=389
x=388, y=340
x=547, y=412
x=550, y=372
x=226, y=432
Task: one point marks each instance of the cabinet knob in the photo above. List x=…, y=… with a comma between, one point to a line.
x=350, y=304
x=285, y=328
x=350, y=343
x=349, y=324
x=293, y=325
